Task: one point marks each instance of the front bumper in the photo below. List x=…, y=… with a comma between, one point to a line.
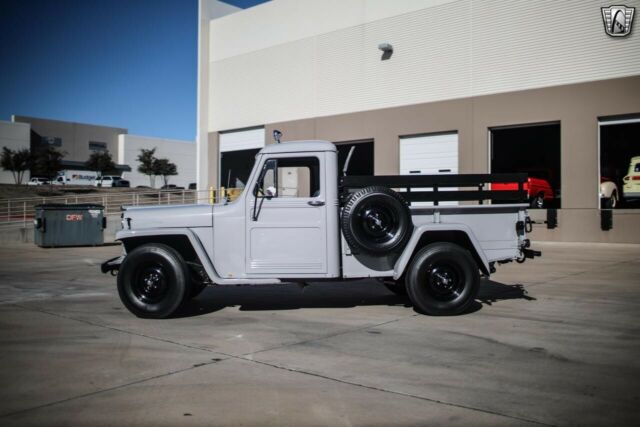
x=112, y=265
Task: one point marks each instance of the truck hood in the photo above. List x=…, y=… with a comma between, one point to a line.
x=174, y=216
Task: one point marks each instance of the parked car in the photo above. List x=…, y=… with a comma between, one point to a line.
x=332, y=230
x=121, y=183
x=193, y=186
x=631, y=186
x=538, y=190
x=38, y=181
x=106, y=181
x=171, y=187
x=609, y=197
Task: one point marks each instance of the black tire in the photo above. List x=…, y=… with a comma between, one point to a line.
x=376, y=220
x=443, y=279
x=153, y=281
x=612, y=202
x=398, y=287
x=538, y=202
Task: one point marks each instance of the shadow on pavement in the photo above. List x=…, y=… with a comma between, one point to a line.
x=325, y=295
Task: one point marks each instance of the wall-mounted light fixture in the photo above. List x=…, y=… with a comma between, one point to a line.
x=387, y=50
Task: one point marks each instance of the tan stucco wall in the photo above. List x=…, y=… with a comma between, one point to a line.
x=577, y=107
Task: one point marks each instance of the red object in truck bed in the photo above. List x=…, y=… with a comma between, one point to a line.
x=533, y=187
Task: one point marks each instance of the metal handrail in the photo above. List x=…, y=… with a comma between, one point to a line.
x=20, y=211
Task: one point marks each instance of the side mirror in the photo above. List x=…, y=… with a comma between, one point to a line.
x=270, y=192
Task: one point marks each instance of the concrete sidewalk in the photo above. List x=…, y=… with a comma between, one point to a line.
x=554, y=341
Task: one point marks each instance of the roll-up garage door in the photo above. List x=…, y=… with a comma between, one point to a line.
x=237, y=155
x=429, y=155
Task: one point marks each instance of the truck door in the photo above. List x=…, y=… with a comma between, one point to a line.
x=286, y=218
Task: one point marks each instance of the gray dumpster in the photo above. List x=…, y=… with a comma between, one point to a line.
x=69, y=225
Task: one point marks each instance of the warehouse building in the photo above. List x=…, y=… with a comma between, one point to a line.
x=78, y=140
x=434, y=86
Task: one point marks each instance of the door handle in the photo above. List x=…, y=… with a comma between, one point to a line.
x=315, y=202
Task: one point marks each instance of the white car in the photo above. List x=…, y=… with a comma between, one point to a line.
x=38, y=181
x=631, y=188
x=609, y=196
x=106, y=181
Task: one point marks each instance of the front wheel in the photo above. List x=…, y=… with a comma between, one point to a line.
x=153, y=281
x=443, y=279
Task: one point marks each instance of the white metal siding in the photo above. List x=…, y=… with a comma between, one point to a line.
x=242, y=140
x=443, y=51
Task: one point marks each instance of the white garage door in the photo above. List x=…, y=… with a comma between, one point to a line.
x=241, y=140
x=429, y=155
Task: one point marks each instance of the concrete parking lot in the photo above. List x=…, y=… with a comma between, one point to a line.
x=555, y=341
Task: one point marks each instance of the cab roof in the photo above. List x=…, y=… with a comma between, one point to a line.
x=298, y=147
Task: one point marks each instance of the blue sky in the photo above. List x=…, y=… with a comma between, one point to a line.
x=125, y=63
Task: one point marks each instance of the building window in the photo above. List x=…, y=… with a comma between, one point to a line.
x=99, y=147
x=51, y=140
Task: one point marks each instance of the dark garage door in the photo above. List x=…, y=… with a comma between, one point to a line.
x=534, y=149
x=361, y=160
x=619, y=143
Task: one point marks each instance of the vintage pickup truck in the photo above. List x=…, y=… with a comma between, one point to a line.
x=299, y=221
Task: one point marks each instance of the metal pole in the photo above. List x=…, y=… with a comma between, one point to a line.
x=183, y=197
x=24, y=214
x=8, y=210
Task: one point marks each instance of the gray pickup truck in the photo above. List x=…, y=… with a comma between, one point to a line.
x=299, y=220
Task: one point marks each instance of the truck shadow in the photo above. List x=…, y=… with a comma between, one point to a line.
x=326, y=295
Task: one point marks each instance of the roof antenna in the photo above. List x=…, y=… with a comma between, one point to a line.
x=346, y=163
x=277, y=135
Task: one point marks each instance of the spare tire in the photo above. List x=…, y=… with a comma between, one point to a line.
x=376, y=220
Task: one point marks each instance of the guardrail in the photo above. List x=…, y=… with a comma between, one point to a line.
x=19, y=212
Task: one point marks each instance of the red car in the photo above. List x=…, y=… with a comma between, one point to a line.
x=538, y=190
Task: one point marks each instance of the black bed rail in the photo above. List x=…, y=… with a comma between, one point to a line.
x=438, y=188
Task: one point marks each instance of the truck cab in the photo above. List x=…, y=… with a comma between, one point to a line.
x=298, y=221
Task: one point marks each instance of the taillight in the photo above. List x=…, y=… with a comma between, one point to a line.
x=636, y=178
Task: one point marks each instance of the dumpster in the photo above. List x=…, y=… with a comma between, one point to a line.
x=69, y=225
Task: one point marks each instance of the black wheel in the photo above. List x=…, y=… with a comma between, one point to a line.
x=398, y=287
x=443, y=279
x=538, y=201
x=612, y=201
x=376, y=220
x=153, y=281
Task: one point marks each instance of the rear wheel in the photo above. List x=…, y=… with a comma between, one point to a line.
x=443, y=279
x=538, y=201
x=153, y=281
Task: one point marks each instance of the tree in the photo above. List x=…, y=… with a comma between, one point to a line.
x=146, y=158
x=47, y=162
x=101, y=162
x=165, y=169
x=17, y=162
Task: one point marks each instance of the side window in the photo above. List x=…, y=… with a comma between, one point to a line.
x=291, y=177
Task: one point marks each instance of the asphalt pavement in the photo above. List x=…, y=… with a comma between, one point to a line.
x=554, y=341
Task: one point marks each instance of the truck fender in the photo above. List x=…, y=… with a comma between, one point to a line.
x=418, y=232
x=196, y=244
